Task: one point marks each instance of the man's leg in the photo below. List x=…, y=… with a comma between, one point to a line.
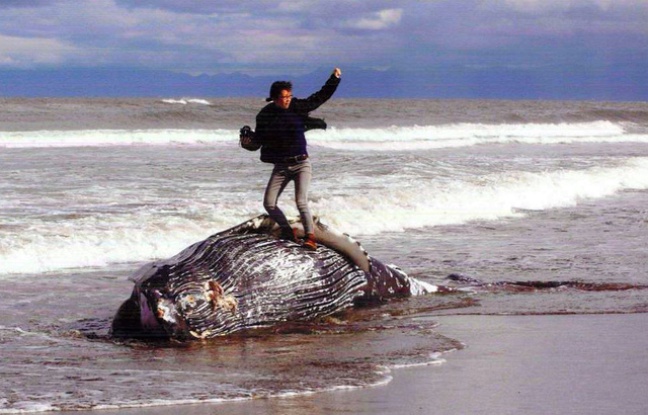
x=304, y=174
x=276, y=185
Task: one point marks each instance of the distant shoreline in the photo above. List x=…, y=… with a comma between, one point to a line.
x=450, y=82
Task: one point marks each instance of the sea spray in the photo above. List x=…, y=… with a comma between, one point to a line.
x=400, y=138
x=149, y=231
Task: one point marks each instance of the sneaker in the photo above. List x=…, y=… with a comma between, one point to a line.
x=289, y=234
x=309, y=242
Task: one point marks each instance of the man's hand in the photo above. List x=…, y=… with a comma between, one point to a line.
x=337, y=72
x=245, y=140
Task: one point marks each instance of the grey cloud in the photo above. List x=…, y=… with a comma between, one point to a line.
x=288, y=35
x=8, y=4
x=193, y=7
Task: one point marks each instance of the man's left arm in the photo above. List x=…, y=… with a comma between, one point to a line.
x=311, y=103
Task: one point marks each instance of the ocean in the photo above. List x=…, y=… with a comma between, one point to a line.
x=522, y=207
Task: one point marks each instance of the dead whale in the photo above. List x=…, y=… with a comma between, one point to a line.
x=247, y=278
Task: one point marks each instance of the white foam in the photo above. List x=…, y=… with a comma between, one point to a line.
x=25, y=407
x=186, y=101
x=469, y=134
x=179, y=393
x=408, y=138
x=161, y=230
x=103, y=138
x=99, y=240
x=490, y=197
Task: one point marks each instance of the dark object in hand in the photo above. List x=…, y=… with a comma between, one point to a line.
x=246, y=139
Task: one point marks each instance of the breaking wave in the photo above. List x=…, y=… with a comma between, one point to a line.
x=361, y=139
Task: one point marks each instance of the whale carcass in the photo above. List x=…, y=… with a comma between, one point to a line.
x=247, y=278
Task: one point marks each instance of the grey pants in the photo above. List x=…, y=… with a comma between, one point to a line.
x=282, y=174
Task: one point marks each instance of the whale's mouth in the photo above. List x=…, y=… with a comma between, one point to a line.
x=148, y=317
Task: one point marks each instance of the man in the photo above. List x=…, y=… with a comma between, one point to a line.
x=280, y=128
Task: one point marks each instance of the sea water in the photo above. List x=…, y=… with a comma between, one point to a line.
x=537, y=207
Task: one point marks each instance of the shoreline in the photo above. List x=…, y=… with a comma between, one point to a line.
x=563, y=364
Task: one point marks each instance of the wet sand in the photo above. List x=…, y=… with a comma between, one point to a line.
x=575, y=364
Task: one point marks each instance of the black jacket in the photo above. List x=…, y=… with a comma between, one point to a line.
x=281, y=131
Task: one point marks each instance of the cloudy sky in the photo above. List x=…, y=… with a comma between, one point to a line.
x=264, y=37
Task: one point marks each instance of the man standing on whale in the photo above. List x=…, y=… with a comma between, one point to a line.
x=280, y=128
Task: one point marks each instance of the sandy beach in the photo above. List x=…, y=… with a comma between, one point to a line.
x=573, y=364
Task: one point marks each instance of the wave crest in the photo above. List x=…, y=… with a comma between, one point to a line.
x=401, y=138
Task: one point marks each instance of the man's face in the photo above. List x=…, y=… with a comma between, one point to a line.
x=284, y=98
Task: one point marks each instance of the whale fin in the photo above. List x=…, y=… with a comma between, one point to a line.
x=418, y=287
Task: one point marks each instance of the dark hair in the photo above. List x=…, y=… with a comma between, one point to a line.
x=277, y=87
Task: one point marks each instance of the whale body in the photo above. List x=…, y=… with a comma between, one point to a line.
x=247, y=278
